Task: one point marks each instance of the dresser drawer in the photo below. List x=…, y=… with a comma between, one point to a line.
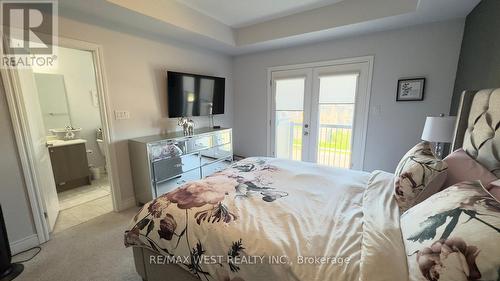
x=166, y=149
x=171, y=184
x=199, y=143
x=209, y=169
x=222, y=137
x=223, y=151
x=170, y=167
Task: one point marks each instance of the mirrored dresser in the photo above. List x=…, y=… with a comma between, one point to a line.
x=162, y=162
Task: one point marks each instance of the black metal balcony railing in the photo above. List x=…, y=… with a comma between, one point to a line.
x=334, y=144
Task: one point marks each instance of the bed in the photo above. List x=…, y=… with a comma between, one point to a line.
x=274, y=219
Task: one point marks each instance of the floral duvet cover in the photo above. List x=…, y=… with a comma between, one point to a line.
x=272, y=219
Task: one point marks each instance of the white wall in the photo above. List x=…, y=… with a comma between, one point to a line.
x=135, y=70
x=429, y=50
x=77, y=67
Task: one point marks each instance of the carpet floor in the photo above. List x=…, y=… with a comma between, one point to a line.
x=91, y=251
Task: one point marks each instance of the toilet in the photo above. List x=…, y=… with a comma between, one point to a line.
x=100, y=142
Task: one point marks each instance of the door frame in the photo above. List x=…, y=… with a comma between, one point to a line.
x=19, y=120
x=365, y=96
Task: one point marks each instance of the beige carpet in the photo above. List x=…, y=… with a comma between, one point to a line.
x=91, y=251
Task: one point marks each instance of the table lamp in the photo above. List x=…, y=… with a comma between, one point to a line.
x=439, y=130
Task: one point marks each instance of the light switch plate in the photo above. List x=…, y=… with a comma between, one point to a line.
x=122, y=114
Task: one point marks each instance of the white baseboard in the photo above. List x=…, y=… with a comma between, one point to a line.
x=24, y=244
x=127, y=203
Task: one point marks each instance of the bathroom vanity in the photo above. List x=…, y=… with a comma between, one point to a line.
x=69, y=163
x=162, y=162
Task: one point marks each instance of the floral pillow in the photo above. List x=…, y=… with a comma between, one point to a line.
x=454, y=235
x=419, y=175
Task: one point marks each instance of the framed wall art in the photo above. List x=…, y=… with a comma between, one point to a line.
x=411, y=89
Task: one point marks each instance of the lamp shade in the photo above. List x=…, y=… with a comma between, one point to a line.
x=439, y=129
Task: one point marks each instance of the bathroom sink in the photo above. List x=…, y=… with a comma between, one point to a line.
x=64, y=130
x=56, y=143
x=66, y=134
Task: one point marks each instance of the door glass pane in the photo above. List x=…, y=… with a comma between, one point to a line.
x=336, y=117
x=289, y=118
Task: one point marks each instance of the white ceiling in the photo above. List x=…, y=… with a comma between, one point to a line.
x=238, y=13
x=163, y=20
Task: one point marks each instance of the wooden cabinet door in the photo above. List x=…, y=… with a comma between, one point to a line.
x=69, y=162
x=77, y=161
x=60, y=166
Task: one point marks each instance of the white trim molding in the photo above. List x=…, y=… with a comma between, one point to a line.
x=127, y=203
x=24, y=244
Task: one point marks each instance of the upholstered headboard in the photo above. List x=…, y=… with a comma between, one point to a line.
x=478, y=127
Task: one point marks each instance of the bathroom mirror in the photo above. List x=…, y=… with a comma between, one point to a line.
x=53, y=100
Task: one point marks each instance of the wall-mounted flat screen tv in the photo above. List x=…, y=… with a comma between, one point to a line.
x=194, y=95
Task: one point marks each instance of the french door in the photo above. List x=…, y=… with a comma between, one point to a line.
x=319, y=113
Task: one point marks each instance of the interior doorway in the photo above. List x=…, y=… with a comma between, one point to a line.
x=61, y=124
x=319, y=112
x=69, y=106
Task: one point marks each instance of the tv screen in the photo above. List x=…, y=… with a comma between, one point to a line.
x=194, y=95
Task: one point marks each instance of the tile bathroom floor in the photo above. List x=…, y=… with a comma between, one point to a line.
x=83, y=194
x=84, y=203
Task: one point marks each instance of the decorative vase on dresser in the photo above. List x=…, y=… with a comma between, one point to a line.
x=162, y=162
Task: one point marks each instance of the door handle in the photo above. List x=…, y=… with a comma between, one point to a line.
x=306, y=133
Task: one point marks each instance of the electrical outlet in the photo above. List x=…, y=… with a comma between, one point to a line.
x=122, y=115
